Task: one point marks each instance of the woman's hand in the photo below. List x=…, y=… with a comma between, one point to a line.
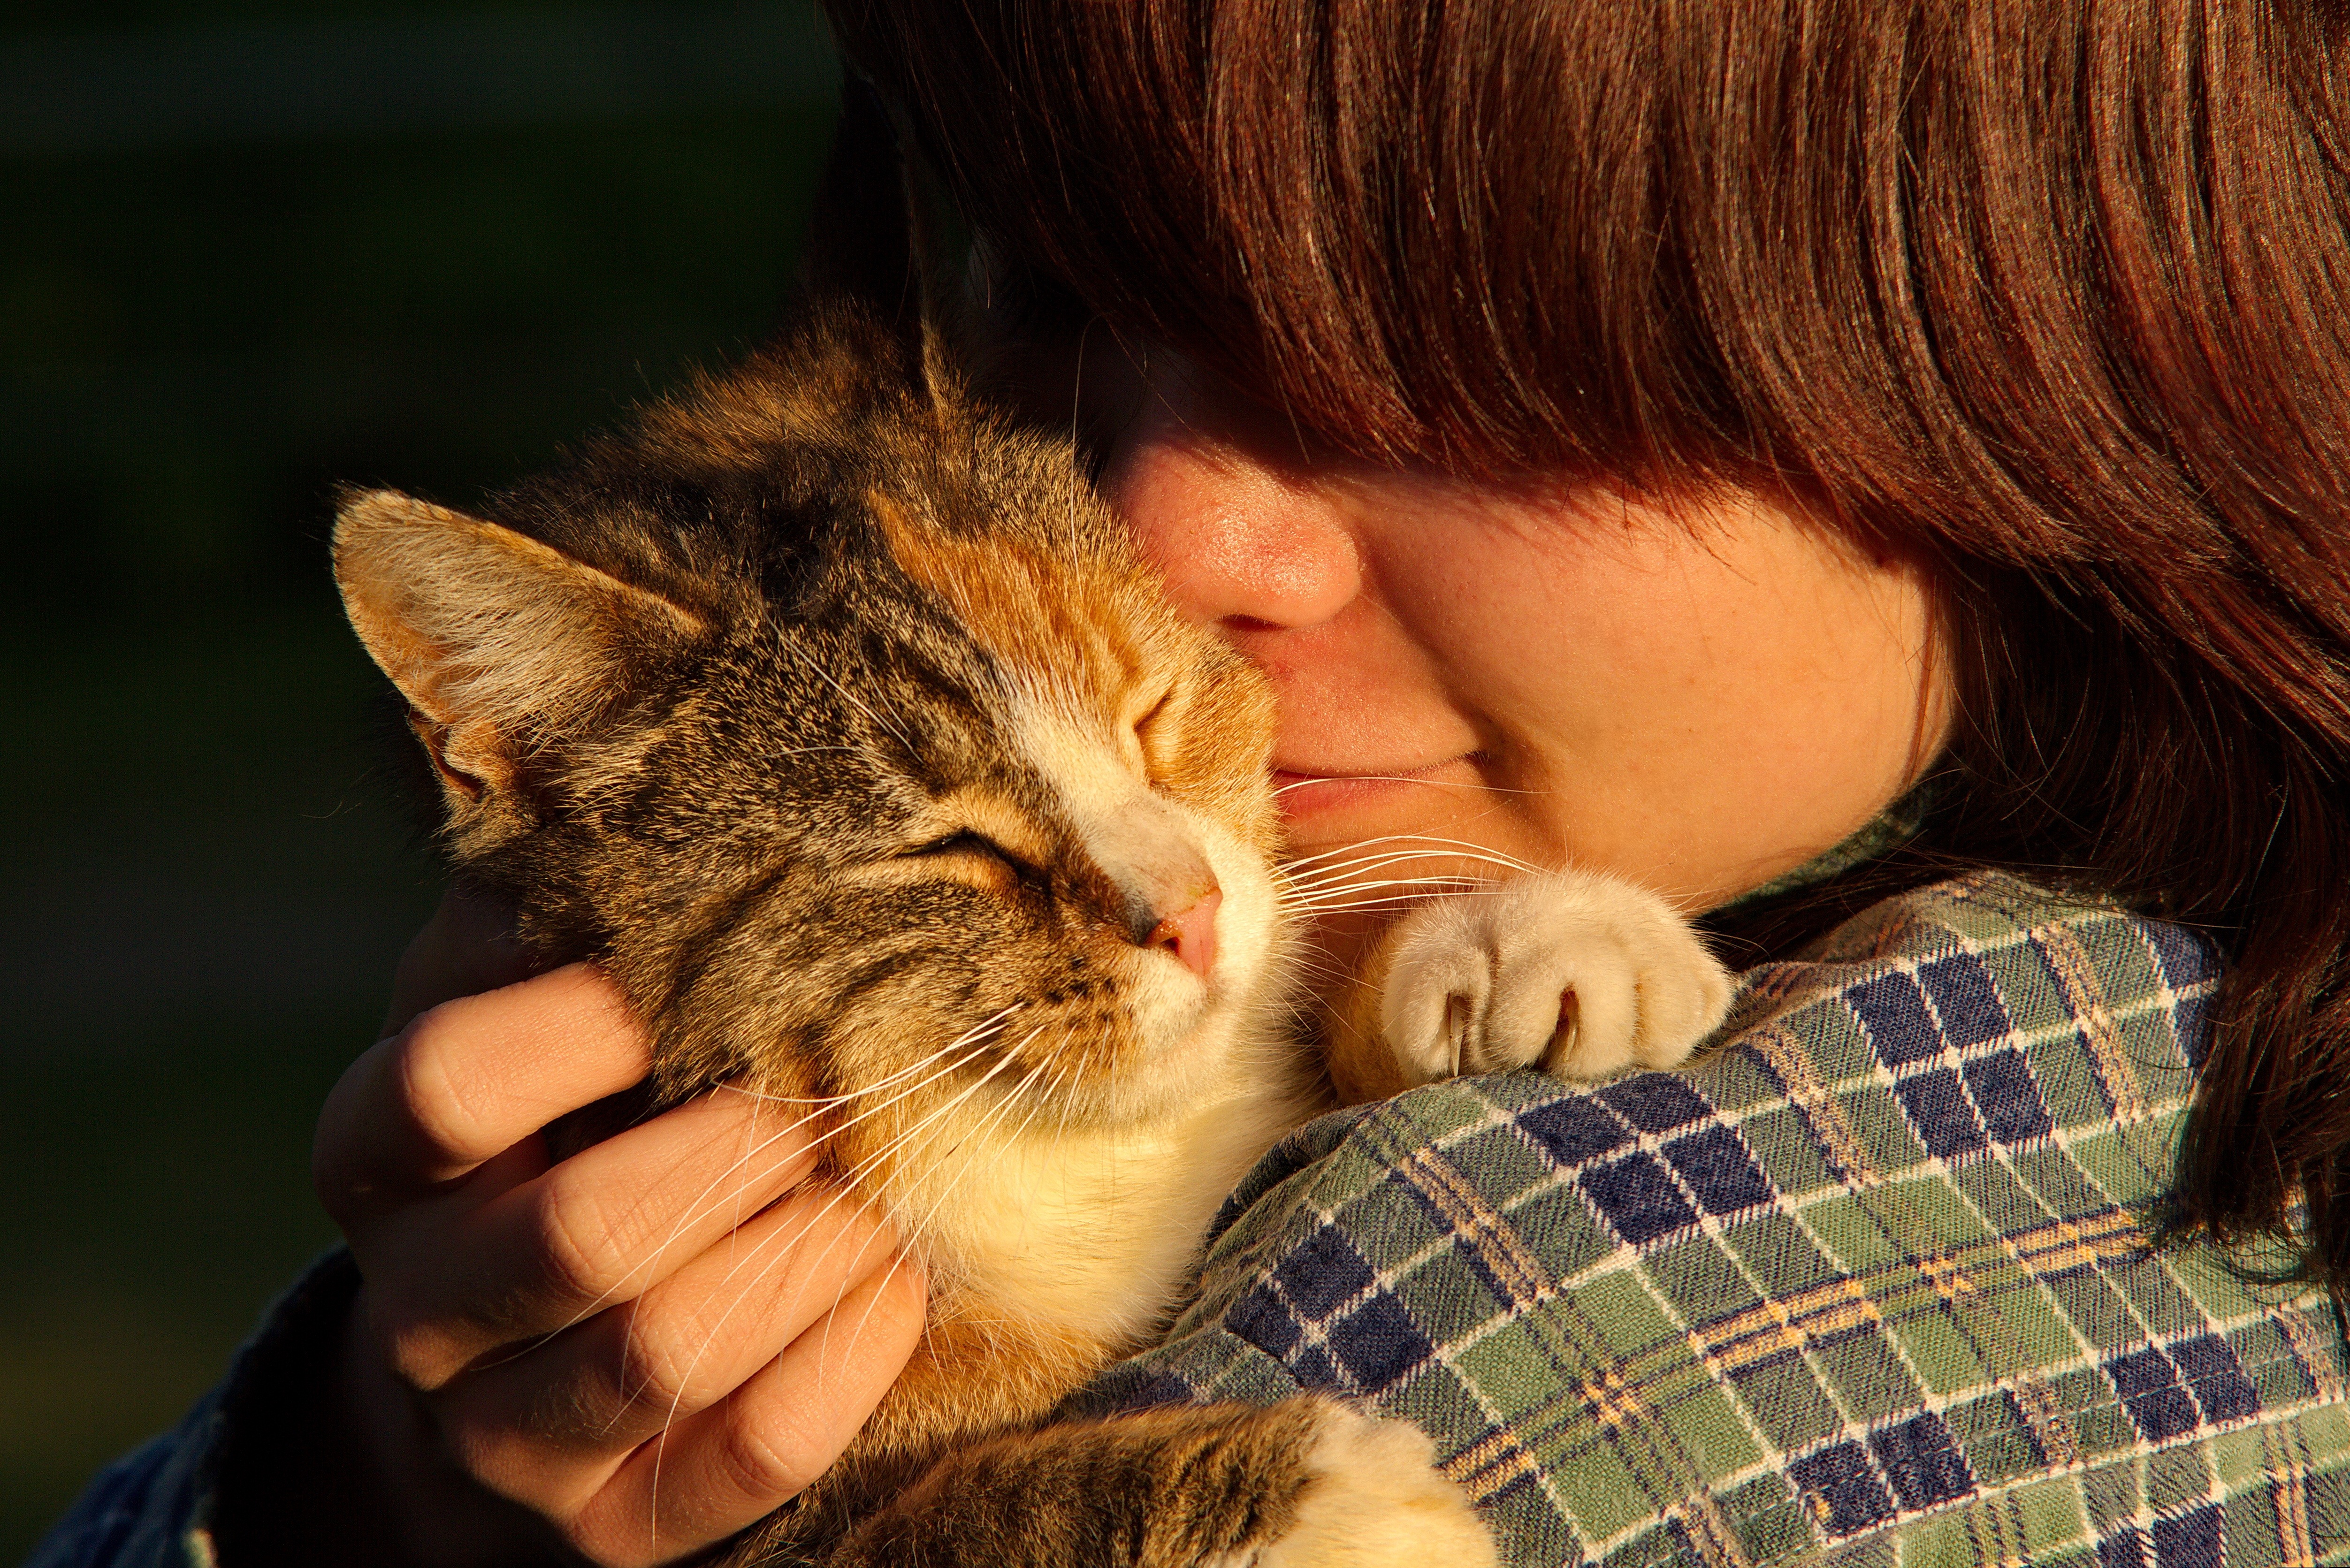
x=646, y=1346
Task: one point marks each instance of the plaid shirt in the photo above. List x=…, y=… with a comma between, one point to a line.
x=1870, y=1281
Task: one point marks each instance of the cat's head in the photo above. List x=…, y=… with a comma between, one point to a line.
x=840, y=720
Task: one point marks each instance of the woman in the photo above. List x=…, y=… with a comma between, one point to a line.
x=1812, y=460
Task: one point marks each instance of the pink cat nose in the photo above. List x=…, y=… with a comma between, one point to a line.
x=1191, y=934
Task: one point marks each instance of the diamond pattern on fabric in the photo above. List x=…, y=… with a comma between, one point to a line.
x=1966, y=1001
x=1870, y=1274
x=1377, y=1344
x=2002, y=1088
x=1923, y=1464
x=2150, y=1391
x=1656, y=1102
x=1939, y=1108
x=2216, y=1377
x=1261, y=1319
x=1324, y=1272
x=1717, y=1170
x=1843, y=1488
x=1324, y=1313
x=1575, y=1130
x=1892, y=1008
x=2192, y=1540
x=1638, y=1197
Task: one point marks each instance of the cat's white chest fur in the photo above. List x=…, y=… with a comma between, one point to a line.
x=1090, y=1230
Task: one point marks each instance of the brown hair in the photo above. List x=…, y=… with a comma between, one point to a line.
x=2054, y=292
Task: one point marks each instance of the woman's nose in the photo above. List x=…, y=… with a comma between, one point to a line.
x=1244, y=538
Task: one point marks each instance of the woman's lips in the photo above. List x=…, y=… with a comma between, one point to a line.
x=1301, y=793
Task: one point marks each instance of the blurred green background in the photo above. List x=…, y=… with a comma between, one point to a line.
x=253, y=249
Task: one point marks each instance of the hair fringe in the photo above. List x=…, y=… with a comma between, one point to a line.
x=2053, y=293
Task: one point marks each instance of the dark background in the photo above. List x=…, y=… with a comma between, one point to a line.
x=252, y=248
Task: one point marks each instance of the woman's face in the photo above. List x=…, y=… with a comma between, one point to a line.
x=1696, y=700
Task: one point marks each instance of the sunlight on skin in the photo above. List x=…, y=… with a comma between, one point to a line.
x=1696, y=699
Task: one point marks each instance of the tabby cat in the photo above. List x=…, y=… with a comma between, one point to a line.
x=833, y=714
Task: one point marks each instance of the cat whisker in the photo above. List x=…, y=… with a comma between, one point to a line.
x=1387, y=901
x=993, y=1115
x=847, y=1178
x=918, y=1233
x=1368, y=877
x=915, y=1234
x=783, y=1254
x=1393, y=902
x=1344, y=869
x=1077, y=414
x=1011, y=1098
x=761, y=1095
x=1371, y=878
x=993, y=1025
x=1483, y=852
x=1355, y=847
x=978, y=1041
x=1333, y=972
x=1476, y=851
x=1358, y=846
x=978, y=1038
x=845, y=1190
x=1011, y=1053
x=1405, y=778
x=1321, y=898
x=854, y=701
x=1048, y=1058
x=896, y=1262
x=694, y=1214
x=1362, y=873
x=1325, y=876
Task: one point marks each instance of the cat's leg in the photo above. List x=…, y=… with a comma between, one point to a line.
x=1307, y=1483
x=1580, y=974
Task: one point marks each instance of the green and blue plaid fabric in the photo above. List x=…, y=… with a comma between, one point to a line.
x=1871, y=1281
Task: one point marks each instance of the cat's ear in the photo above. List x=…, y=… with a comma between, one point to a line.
x=499, y=642
x=872, y=235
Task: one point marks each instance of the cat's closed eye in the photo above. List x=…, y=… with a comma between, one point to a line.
x=975, y=849
x=963, y=841
x=1144, y=747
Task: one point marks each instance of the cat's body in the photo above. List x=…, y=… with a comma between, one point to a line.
x=836, y=718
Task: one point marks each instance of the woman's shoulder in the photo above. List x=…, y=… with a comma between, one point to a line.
x=1991, y=1010
x=1976, y=1014
x=1882, y=1260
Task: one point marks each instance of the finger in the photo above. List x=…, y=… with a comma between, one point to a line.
x=601, y=1228
x=629, y=1373
x=468, y=946
x=722, y=1471
x=469, y=1080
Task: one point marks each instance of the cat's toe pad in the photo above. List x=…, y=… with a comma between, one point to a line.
x=1376, y=1501
x=1579, y=974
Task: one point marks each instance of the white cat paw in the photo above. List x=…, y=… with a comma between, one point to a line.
x=1580, y=974
x=1376, y=1501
